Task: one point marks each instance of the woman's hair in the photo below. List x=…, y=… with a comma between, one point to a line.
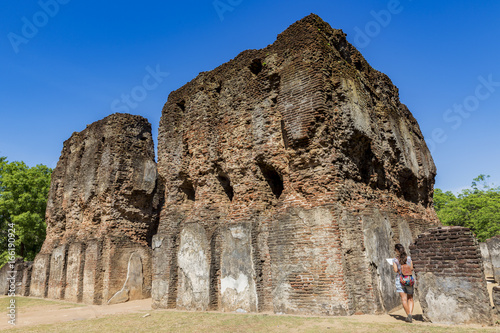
x=402, y=253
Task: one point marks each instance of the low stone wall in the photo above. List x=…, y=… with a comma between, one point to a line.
x=494, y=250
x=450, y=277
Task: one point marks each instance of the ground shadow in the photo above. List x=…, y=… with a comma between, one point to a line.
x=417, y=317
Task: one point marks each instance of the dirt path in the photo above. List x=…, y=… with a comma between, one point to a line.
x=65, y=311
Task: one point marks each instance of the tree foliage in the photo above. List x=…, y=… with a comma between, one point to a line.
x=23, y=200
x=477, y=208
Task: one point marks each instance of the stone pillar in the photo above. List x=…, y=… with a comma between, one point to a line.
x=450, y=279
x=40, y=275
x=57, y=276
x=74, y=274
x=92, y=273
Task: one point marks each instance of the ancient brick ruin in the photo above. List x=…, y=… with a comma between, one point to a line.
x=289, y=174
x=285, y=177
x=101, y=214
x=451, y=282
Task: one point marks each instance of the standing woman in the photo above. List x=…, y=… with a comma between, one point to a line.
x=406, y=292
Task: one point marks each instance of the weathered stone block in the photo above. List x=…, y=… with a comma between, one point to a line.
x=238, y=285
x=40, y=275
x=74, y=273
x=194, y=269
x=496, y=300
x=57, y=276
x=26, y=272
x=494, y=250
x=452, y=300
x=92, y=273
x=485, y=253
x=162, y=247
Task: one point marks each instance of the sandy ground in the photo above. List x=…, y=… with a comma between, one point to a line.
x=50, y=314
x=65, y=311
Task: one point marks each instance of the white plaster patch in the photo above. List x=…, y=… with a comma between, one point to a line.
x=443, y=309
x=194, y=265
x=157, y=242
x=239, y=284
x=238, y=232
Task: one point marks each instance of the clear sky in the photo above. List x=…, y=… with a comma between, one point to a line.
x=67, y=63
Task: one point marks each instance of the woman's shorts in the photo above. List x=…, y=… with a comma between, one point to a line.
x=403, y=289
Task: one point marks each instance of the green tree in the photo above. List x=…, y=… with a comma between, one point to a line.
x=477, y=208
x=23, y=200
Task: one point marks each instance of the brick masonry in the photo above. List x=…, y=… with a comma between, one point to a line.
x=289, y=174
x=450, y=278
x=101, y=215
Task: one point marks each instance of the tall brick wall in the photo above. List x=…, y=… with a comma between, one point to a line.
x=450, y=277
x=101, y=214
x=289, y=174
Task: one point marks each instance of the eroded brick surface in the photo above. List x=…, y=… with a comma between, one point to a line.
x=101, y=215
x=289, y=174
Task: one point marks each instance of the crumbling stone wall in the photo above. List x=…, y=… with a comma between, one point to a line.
x=289, y=174
x=451, y=283
x=101, y=215
x=494, y=251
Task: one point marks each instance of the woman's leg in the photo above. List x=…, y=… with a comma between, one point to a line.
x=404, y=300
x=410, y=304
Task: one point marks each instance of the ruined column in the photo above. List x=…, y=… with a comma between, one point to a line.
x=101, y=215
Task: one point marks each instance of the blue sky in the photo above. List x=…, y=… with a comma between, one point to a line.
x=66, y=63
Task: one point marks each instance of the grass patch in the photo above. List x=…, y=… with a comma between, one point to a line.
x=175, y=321
x=29, y=302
